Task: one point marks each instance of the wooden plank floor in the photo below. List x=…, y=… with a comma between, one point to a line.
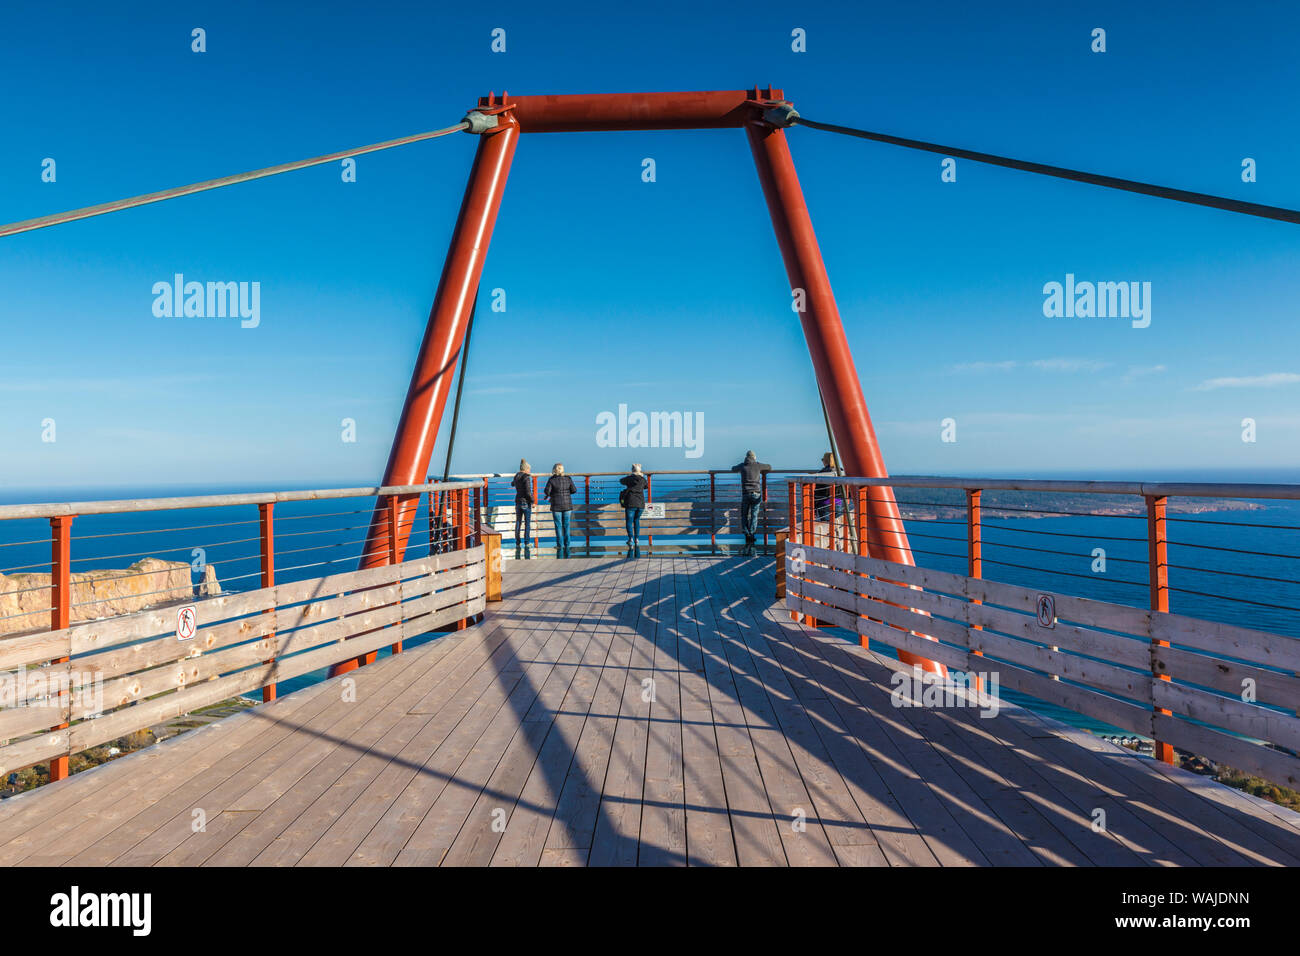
x=660, y=711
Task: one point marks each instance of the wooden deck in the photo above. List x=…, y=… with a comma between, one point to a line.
x=655, y=712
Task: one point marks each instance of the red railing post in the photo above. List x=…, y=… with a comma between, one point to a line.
x=975, y=551
x=1158, y=575
x=266, y=535
x=809, y=532
x=792, y=528
x=586, y=513
x=477, y=512
x=462, y=535
x=60, y=609
x=394, y=548
x=713, y=513
x=863, y=550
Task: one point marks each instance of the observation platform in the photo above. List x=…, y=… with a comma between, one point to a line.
x=658, y=711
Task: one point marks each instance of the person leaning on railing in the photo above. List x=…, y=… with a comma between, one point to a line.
x=523, y=485
x=560, y=490
x=632, y=498
x=751, y=496
x=824, y=494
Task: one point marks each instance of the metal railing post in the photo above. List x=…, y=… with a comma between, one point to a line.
x=861, y=521
x=394, y=518
x=586, y=513
x=975, y=550
x=713, y=513
x=809, y=532
x=649, y=497
x=762, y=512
x=462, y=534
x=60, y=611
x=537, y=503
x=792, y=530
x=266, y=535
x=1158, y=575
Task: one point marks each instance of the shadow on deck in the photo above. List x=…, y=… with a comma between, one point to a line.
x=657, y=712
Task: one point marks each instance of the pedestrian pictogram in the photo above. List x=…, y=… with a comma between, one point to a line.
x=187, y=622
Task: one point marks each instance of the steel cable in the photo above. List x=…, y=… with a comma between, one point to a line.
x=86, y=212
x=1279, y=213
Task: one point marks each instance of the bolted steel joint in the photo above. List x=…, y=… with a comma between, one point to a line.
x=781, y=115
x=480, y=122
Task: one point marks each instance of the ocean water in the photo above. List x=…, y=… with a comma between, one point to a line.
x=1239, y=567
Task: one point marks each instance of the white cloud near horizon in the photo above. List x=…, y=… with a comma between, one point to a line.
x=1248, y=381
x=1042, y=365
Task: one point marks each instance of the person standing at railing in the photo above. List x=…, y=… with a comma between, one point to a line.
x=560, y=490
x=523, y=485
x=824, y=494
x=751, y=497
x=632, y=498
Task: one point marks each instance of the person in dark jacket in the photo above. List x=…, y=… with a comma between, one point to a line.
x=633, y=499
x=559, y=492
x=523, y=485
x=751, y=496
x=823, y=497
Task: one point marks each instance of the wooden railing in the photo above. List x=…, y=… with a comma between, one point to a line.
x=126, y=673
x=1198, y=685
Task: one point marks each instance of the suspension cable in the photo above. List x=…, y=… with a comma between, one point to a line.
x=1164, y=192
x=72, y=215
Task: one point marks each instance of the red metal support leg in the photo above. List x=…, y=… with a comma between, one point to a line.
x=836, y=375
x=426, y=397
x=1158, y=573
x=60, y=607
x=266, y=534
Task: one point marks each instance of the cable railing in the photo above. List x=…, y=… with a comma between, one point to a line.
x=108, y=636
x=687, y=511
x=1065, y=621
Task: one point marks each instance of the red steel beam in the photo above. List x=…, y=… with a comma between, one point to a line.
x=426, y=396
x=587, y=113
x=833, y=362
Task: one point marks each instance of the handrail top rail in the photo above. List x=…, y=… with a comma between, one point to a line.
x=122, y=506
x=625, y=471
x=1155, y=489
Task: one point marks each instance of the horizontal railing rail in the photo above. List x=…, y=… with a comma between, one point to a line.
x=1215, y=689
x=81, y=686
x=122, y=506
x=90, y=618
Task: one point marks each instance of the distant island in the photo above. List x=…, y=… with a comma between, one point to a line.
x=936, y=504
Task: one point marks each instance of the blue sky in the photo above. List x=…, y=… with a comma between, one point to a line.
x=665, y=296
